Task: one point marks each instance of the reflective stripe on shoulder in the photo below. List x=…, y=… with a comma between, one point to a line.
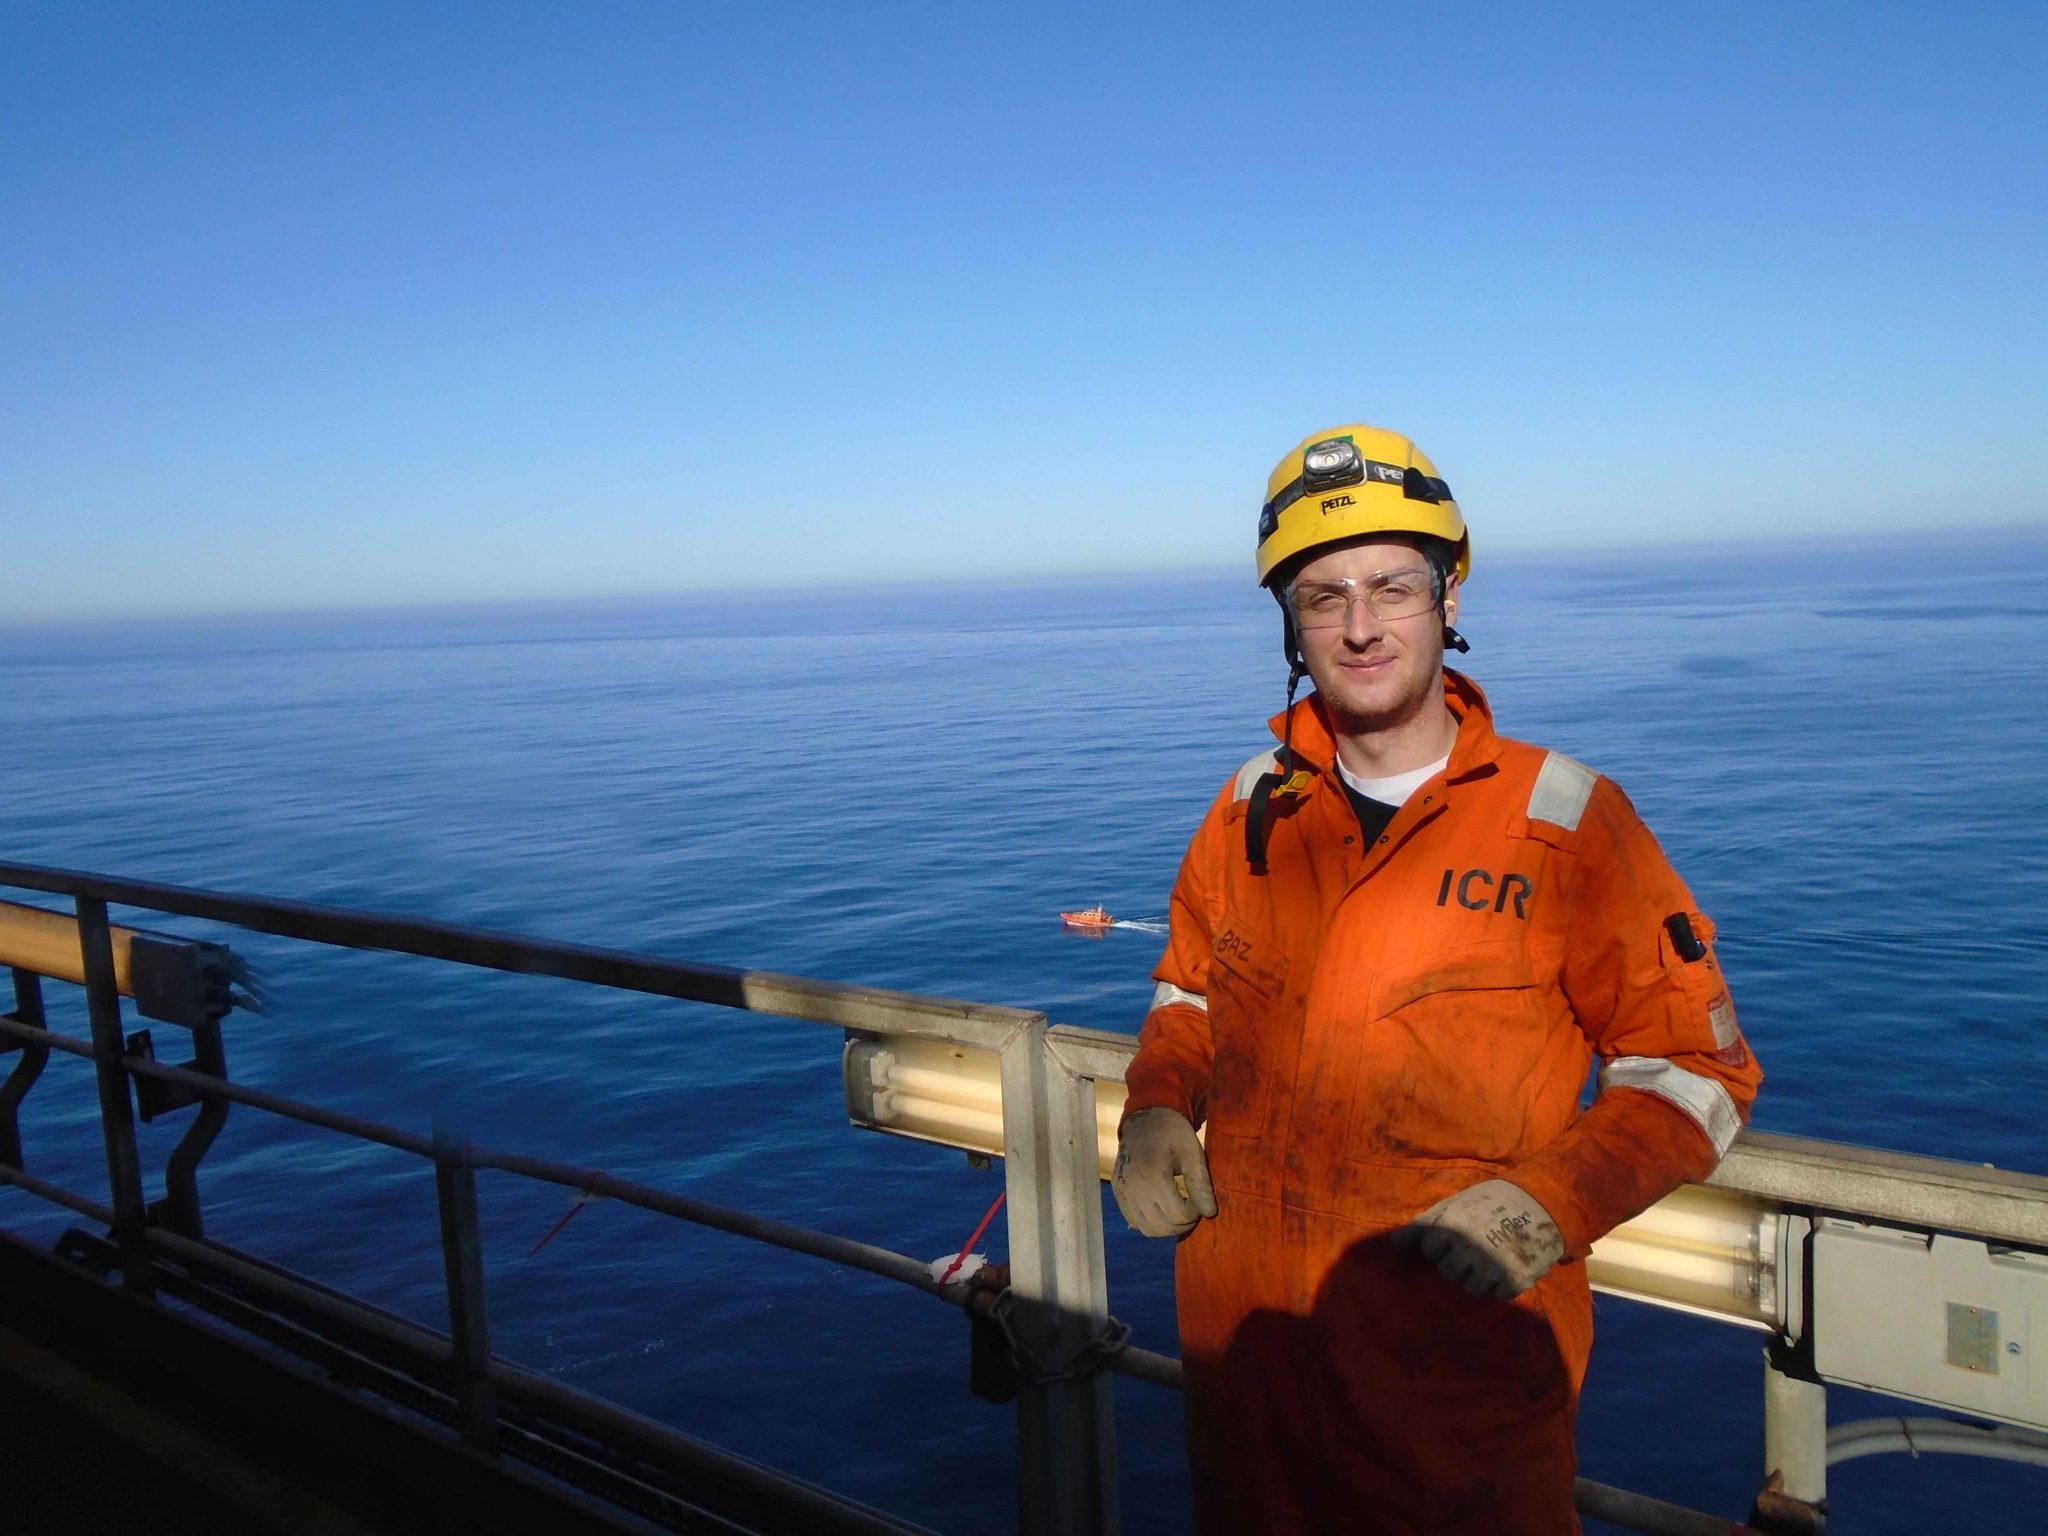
x=1248, y=775
x=1563, y=786
x=1166, y=992
x=1703, y=1100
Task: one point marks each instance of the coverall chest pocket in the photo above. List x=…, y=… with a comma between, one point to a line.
x=1455, y=1059
x=1248, y=1001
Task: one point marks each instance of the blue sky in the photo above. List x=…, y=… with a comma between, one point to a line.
x=324, y=305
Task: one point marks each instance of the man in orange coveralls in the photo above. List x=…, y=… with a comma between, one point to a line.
x=1399, y=943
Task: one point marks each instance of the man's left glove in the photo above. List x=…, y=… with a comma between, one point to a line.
x=1492, y=1239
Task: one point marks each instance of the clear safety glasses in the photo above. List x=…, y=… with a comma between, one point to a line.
x=1386, y=594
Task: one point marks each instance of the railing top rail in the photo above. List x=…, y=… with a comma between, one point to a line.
x=799, y=997
x=1900, y=1187
x=1877, y=1162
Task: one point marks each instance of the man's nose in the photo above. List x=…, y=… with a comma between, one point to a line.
x=1361, y=625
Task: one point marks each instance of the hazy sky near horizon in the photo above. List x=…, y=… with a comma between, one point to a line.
x=319, y=305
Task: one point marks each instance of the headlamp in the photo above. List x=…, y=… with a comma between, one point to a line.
x=1334, y=461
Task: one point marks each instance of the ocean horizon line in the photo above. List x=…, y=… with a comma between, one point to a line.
x=568, y=603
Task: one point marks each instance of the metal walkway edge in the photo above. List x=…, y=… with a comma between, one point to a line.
x=271, y=1438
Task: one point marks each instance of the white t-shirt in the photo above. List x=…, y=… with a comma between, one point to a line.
x=1397, y=789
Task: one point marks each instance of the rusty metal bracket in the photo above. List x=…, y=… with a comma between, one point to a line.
x=1777, y=1513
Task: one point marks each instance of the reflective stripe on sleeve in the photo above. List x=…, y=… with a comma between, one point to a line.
x=1249, y=774
x=1563, y=786
x=1166, y=992
x=1704, y=1101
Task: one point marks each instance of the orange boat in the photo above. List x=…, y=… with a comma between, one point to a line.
x=1089, y=917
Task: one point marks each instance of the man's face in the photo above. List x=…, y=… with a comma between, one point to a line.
x=1375, y=673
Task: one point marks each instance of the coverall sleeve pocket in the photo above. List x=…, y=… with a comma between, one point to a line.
x=1703, y=1018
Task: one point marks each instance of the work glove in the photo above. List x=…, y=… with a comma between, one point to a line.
x=1491, y=1240
x=1161, y=1180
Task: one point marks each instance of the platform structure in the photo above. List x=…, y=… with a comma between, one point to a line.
x=1918, y=1277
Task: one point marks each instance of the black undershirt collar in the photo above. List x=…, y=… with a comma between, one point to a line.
x=1373, y=815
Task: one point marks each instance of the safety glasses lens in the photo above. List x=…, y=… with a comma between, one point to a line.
x=1388, y=595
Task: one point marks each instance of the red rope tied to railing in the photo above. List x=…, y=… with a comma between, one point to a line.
x=583, y=1199
x=968, y=1246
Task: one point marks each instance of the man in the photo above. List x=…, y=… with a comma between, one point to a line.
x=1399, y=943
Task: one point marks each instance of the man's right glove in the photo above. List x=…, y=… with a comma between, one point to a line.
x=1493, y=1239
x=1161, y=1180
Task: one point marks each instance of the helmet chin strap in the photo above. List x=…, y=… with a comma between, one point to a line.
x=1258, y=810
x=1295, y=668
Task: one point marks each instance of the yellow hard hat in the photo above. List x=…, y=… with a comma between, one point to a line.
x=1350, y=481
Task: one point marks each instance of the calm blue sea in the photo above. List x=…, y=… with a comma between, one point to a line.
x=1842, y=751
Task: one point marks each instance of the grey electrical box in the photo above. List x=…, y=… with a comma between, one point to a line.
x=1947, y=1321
x=180, y=981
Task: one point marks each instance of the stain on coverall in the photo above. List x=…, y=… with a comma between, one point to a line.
x=1385, y=1026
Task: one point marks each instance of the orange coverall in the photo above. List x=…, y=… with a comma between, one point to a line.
x=1366, y=1030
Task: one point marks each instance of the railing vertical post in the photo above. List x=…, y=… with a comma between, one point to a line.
x=1795, y=1432
x=1066, y=1429
x=117, y=1109
x=462, y=1257
x=181, y=1168
x=28, y=1009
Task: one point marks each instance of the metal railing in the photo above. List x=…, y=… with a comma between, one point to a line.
x=1058, y=1313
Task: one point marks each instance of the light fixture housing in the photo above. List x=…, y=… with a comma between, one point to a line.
x=949, y=1094
x=1698, y=1250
